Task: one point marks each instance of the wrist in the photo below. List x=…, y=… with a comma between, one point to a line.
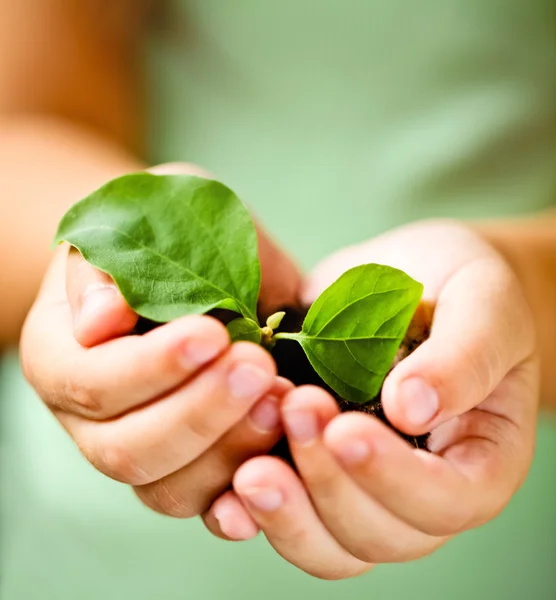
x=529, y=247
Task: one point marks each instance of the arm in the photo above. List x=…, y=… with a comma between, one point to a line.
x=529, y=245
x=45, y=166
x=67, y=109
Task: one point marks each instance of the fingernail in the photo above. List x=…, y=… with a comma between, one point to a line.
x=94, y=301
x=418, y=400
x=302, y=426
x=200, y=351
x=265, y=415
x=352, y=452
x=222, y=514
x=230, y=524
x=263, y=499
x=248, y=382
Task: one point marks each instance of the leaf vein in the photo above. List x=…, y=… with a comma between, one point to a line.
x=161, y=256
x=342, y=339
x=210, y=236
x=359, y=362
x=318, y=360
x=345, y=307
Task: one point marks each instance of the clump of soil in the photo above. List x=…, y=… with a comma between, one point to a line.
x=295, y=366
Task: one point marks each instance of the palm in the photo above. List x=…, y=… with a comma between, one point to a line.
x=470, y=288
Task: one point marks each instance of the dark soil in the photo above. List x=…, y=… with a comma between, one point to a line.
x=294, y=365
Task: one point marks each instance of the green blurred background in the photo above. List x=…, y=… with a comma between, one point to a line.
x=335, y=120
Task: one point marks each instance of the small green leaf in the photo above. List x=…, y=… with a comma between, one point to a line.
x=245, y=330
x=174, y=244
x=353, y=330
x=274, y=320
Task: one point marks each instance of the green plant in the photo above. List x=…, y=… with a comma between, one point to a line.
x=178, y=245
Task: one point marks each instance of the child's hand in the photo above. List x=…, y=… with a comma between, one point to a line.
x=173, y=412
x=363, y=495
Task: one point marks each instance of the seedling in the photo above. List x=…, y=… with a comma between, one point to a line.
x=179, y=245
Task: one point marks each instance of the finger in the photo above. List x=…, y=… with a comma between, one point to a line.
x=99, y=311
x=480, y=467
x=277, y=501
x=159, y=438
x=422, y=489
x=511, y=410
x=228, y=519
x=53, y=286
x=493, y=445
x=119, y=375
x=361, y=524
x=190, y=491
x=480, y=332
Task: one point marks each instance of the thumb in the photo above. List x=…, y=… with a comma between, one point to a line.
x=99, y=311
x=481, y=330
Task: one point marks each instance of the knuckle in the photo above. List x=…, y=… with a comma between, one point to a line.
x=250, y=352
x=287, y=532
x=459, y=520
x=58, y=386
x=78, y=398
x=322, y=483
x=201, y=426
x=402, y=548
x=338, y=572
x=451, y=522
x=117, y=462
x=366, y=551
x=164, y=498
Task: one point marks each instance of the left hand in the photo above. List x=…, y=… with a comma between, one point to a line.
x=173, y=412
x=362, y=495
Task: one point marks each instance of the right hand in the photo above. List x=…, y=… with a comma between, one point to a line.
x=173, y=412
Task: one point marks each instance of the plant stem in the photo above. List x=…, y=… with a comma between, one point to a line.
x=284, y=335
x=267, y=340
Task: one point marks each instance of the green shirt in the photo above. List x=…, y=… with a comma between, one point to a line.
x=377, y=112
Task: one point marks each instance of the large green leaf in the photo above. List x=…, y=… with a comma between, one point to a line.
x=353, y=330
x=174, y=244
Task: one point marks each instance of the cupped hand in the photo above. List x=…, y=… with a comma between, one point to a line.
x=173, y=412
x=362, y=495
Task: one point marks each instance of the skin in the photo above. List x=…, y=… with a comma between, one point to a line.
x=162, y=410
x=69, y=115
x=364, y=496
x=66, y=127
x=361, y=496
